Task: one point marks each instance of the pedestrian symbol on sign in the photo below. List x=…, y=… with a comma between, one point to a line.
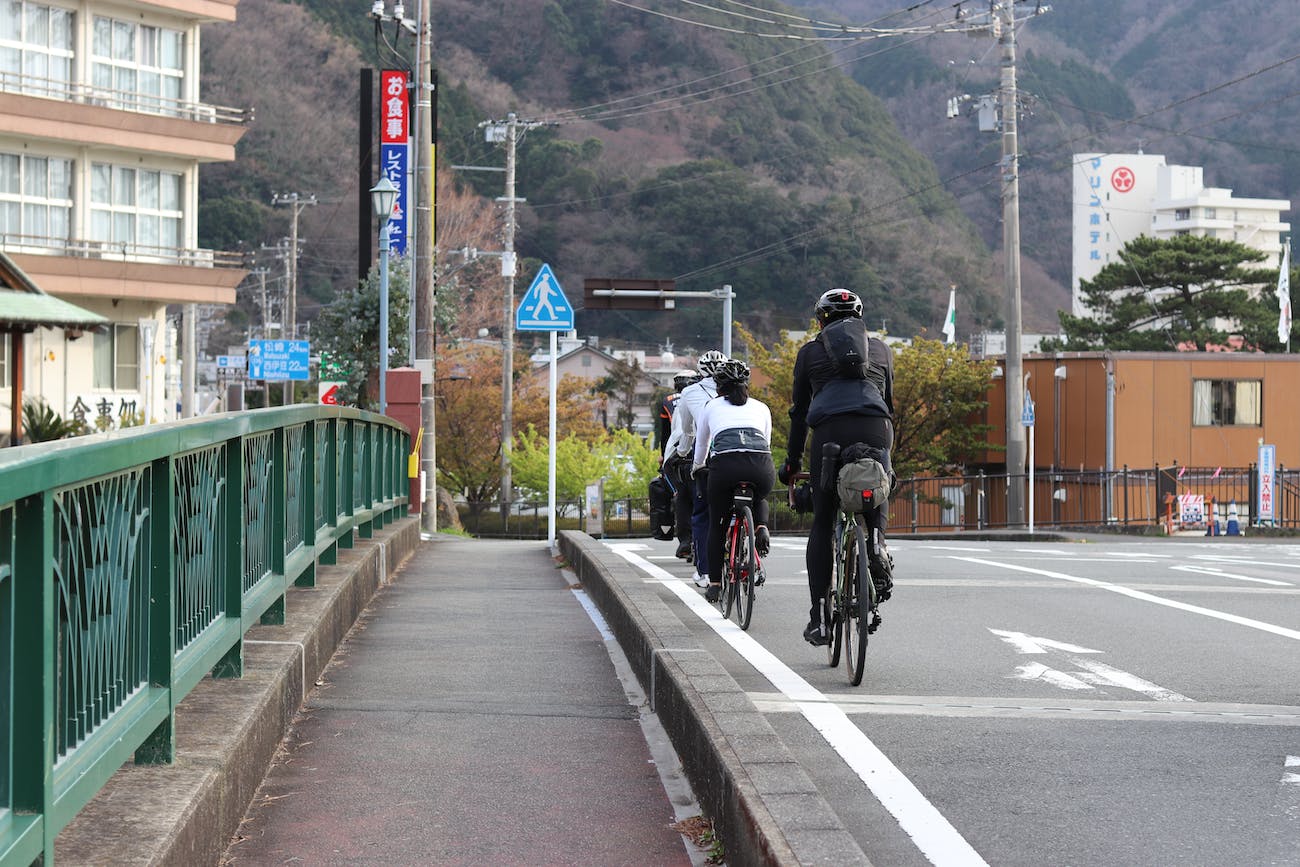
x=544, y=307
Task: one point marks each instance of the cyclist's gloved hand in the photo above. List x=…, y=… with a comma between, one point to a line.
x=788, y=469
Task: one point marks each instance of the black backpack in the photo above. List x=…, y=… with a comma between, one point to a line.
x=661, y=509
x=846, y=344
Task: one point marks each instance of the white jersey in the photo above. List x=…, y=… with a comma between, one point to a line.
x=720, y=415
x=681, y=440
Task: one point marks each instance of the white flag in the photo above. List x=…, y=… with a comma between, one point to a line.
x=1284, y=297
x=950, y=321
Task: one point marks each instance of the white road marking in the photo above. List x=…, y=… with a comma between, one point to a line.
x=1145, y=597
x=1041, y=551
x=1094, y=672
x=1219, y=573
x=932, y=833
x=1038, y=671
x=1135, y=554
x=954, y=548
x=1033, y=644
x=1094, y=710
x=1244, y=561
x=1104, y=675
x=1290, y=778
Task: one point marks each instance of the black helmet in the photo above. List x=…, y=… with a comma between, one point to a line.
x=838, y=304
x=684, y=378
x=709, y=362
x=733, y=371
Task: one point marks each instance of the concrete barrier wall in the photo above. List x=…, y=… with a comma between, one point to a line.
x=765, y=808
x=228, y=731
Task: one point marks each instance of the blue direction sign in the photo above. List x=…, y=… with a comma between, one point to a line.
x=278, y=360
x=544, y=307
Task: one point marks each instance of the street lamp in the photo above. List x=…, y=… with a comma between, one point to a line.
x=383, y=196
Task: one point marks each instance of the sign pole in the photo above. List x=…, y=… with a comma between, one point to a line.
x=550, y=460
x=1031, y=478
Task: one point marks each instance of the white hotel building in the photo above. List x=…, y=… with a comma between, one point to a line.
x=1118, y=197
x=102, y=133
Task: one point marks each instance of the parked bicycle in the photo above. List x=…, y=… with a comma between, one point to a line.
x=741, y=565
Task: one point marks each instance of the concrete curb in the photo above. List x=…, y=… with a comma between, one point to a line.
x=765, y=808
x=228, y=731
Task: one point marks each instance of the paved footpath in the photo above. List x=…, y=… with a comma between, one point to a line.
x=473, y=716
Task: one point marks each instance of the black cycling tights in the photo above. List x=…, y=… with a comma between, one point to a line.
x=725, y=472
x=844, y=430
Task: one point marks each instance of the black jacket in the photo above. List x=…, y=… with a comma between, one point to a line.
x=820, y=392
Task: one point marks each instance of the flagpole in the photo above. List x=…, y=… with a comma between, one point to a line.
x=1284, y=297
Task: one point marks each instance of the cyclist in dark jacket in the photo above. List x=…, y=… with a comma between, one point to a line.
x=838, y=409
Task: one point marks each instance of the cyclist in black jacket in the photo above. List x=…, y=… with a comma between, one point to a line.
x=842, y=409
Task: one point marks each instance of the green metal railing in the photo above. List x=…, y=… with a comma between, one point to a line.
x=131, y=565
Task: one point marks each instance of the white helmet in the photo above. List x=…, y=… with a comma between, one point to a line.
x=709, y=362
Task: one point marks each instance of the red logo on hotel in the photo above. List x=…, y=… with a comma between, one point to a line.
x=1122, y=179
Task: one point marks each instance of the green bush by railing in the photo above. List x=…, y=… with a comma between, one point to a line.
x=131, y=565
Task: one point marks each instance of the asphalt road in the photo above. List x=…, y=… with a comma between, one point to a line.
x=1102, y=703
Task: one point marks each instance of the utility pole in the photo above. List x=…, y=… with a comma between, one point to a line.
x=423, y=346
x=266, y=312
x=508, y=132
x=289, y=327
x=1011, y=248
x=1002, y=23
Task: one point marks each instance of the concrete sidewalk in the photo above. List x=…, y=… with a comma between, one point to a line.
x=473, y=716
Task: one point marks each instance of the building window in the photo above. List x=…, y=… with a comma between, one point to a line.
x=138, y=66
x=35, y=48
x=1219, y=402
x=1183, y=214
x=1211, y=214
x=35, y=200
x=138, y=207
x=586, y=361
x=117, y=358
x=4, y=360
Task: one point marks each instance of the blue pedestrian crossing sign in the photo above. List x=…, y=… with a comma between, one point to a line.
x=1027, y=411
x=544, y=307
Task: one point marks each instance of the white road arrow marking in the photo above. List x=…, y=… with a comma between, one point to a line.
x=1093, y=672
x=1033, y=644
x=1038, y=671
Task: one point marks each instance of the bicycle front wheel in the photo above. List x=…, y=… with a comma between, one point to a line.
x=833, y=607
x=744, y=563
x=858, y=593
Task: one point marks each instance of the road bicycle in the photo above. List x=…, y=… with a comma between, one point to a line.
x=850, y=608
x=741, y=565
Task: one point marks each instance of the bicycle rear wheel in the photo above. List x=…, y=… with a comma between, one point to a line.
x=858, y=603
x=744, y=563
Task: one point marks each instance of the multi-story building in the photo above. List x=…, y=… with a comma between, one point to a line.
x=102, y=133
x=1118, y=197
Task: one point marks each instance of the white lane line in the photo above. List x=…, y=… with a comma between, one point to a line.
x=955, y=548
x=932, y=833
x=1219, y=573
x=1136, y=554
x=1292, y=778
x=1243, y=561
x=1145, y=597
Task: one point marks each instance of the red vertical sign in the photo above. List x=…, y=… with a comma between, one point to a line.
x=394, y=102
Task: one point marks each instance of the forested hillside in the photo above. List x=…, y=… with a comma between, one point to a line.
x=1200, y=81
x=674, y=151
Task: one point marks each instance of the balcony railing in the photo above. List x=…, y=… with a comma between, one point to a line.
x=143, y=103
x=121, y=251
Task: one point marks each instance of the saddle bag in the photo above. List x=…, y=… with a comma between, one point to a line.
x=862, y=482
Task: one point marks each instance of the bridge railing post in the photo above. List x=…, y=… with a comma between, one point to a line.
x=160, y=746
x=34, y=681
x=232, y=664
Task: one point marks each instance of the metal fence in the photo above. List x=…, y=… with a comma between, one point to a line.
x=1062, y=498
x=131, y=565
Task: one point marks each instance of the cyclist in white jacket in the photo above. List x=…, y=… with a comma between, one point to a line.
x=680, y=448
x=733, y=440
